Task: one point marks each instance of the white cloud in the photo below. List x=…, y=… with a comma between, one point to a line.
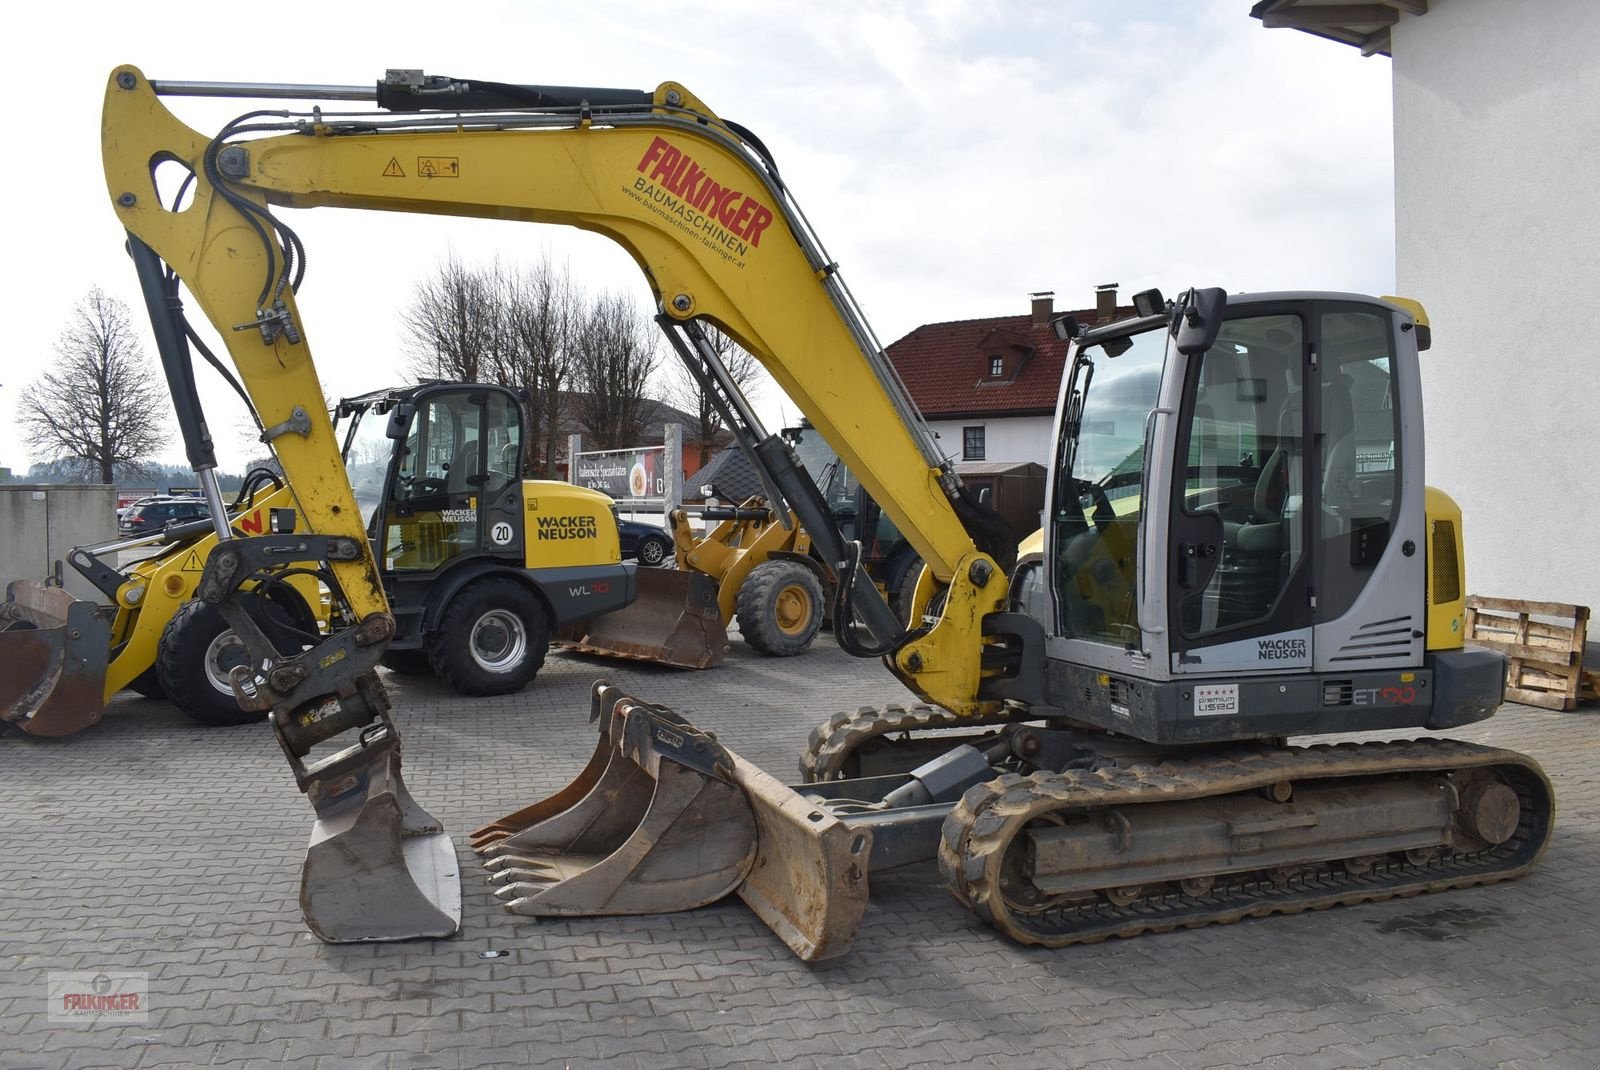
x=953, y=156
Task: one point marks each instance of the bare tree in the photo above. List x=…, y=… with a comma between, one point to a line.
x=615, y=351
x=454, y=322
x=101, y=407
x=541, y=310
x=684, y=392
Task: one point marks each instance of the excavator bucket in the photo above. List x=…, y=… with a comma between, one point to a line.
x=54, y=650
x=674, y=621
x=664, y=818
x=379, y=867
x=653, y=824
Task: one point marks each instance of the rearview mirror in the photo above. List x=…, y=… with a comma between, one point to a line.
x=1197, y=319
x=400, y=421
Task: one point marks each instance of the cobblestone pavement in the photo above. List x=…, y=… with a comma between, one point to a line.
x=151, y=844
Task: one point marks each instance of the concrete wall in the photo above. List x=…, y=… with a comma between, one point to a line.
x=40, y=524
x=1016, y=438
x=1497, y=207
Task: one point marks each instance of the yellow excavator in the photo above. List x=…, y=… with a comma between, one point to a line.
x=1239, y=548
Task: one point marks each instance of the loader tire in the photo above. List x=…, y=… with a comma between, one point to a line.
x=492, y=638
x=407, y=662
x=902, y=587
x=148, y=684
x=780, y=608
x=196, y=651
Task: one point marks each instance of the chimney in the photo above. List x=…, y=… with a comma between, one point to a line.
x=1043, y=306
x=1105, y=302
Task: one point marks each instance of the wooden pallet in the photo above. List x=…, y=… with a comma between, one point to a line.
x=1545, y=644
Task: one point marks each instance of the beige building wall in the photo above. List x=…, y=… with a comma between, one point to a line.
x=1497, y=208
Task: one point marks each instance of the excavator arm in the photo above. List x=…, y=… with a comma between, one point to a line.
x=695, y=201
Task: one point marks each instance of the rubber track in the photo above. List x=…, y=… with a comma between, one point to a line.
x=832, y=742
x=990, y=816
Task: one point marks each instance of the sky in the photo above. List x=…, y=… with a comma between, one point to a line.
x=953, y=156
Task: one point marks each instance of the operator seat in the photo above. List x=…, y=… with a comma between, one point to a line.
x=462, y=468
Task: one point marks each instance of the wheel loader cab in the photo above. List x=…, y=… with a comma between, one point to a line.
x=1244, y=526
x=450, y=490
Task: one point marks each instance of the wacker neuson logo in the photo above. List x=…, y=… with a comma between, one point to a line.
x=1281, y=650
x=117, y=996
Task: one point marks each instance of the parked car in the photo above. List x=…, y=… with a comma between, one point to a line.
x=645, y=542
x=146, y=517
x=122, y=510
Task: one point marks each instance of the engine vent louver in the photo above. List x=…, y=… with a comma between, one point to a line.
x=1338, y=692
x=1383, y=640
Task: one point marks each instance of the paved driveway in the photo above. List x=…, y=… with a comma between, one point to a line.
x=151, y=844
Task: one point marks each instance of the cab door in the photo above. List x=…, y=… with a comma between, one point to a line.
x=1238, y=567
x=437, y=487
x=1296, y=506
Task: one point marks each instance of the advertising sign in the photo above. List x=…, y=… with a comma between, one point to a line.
x=632, y=474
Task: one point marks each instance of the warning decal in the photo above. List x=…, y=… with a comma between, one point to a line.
x=192, y=563
x=394, y=170
x=438, y=167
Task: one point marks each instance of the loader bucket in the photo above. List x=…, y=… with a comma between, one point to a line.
x=675, y=620
x=379, y=867
x=655, y=824
x=54, y=650
x=664, y=818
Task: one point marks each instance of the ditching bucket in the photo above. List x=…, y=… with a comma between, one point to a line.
x=379, y=867
x=54, y=650
x=655, y=824
x=665, y=818
x=675, y=620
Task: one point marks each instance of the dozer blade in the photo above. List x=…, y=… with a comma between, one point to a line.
x=664, y=818
x=54, y=650
x=674, y=621
x=809, y=881
x=379, y=867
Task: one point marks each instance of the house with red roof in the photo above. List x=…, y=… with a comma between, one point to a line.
x=988, y=387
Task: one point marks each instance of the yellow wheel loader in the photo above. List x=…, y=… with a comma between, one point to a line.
x=67, y=657
x=767, y=575
x=480, y=564
x=1239, y=549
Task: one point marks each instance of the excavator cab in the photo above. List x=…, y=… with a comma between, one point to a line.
x=1233, y=514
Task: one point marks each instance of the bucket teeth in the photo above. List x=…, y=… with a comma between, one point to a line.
x=511, y=894
x=526, y=869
